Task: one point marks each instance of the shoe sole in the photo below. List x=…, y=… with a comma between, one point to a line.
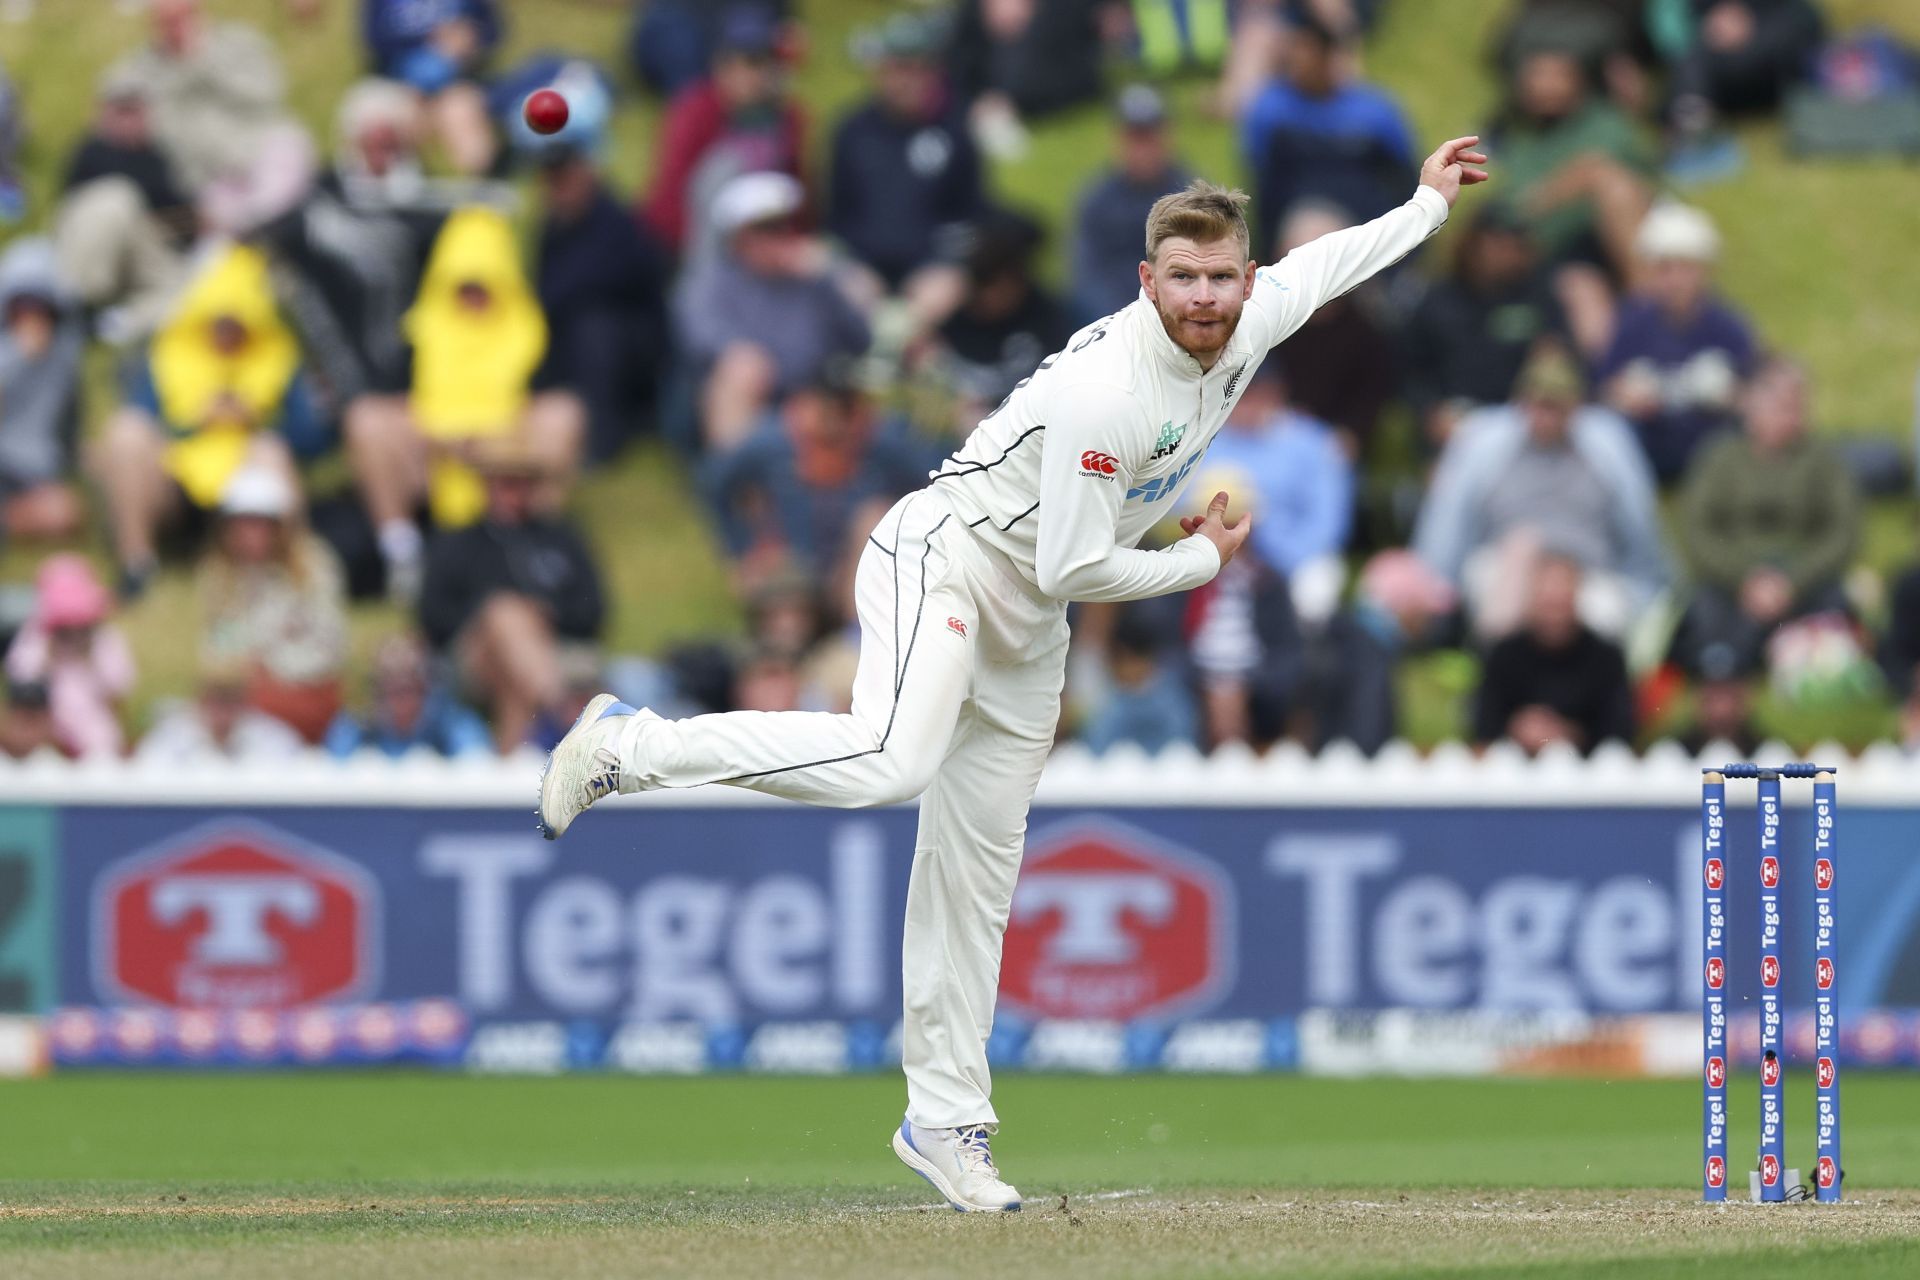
x=589, y=714
x=935, y=1179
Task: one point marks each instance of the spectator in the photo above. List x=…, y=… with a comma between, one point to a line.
x=13, y=196
x=1553, y=681
x=1472, y=331
x=222, y=385
x=439, y=48
x=124, y=222
x=1287, y=466
x=1113, y=207
x=1900, y=654
x=1769, y=521
x=738, y=120
x=790, y=493
x=905, y=172
x=1738, y=57
x=673, y=41
x=478, y=336
x=1318, y=132
x=219, y=112
x=1007, y=321
x=1608, y=38
x=1544, y=476
x=71, y=661
x=274, y=603
x=1024, y=58
x=218, y=727
x=1340, y=365
x=765, y=313
x=41, y=343
x=1574, y=165
x=505, y=596
x=353, y=249
x=1679, y=353
x=1147, y=701
x=410, y=711
x=602, y=283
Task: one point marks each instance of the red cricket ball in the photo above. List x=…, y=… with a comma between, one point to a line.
x=546, y=111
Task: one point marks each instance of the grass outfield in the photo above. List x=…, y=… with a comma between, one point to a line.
x=396, y=1174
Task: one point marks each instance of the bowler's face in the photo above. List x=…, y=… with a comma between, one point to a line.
x=1199, y=290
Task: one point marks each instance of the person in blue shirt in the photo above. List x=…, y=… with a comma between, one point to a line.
x=1114, y=206
x=1148, y=702
x=441, y=48
x=410, y=710
x=1315, y=131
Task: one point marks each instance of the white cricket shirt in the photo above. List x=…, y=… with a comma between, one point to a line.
x=1069, y=473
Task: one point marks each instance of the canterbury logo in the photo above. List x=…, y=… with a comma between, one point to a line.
x=1097, y=464
x=958, y=627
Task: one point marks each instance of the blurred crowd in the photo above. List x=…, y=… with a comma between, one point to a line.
x=372, y=362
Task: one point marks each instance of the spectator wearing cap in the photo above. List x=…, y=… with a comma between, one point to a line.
x=766, y=312
x=1007, y=321
x=1770, y=519
x=1340, y=366
x=218, y=95
x=504, y=596
x=410, y=711
x=439, y=48
x=124, y=221
x=273, y=603
x=478, y=336
x=41, y=344
x=69, y=666
x=1679, y=352
x=218, y=726
x=349, y=256
x=738, y=120
x=904, y=171
x=1472, y=330
x=602, y=282
x=1553, y=681
x=1113, y=207
x=791, y=493
x=1317, y=131
x=1546, y=475
x=222, y=386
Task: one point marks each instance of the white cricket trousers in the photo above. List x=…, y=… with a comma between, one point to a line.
x=956, y=700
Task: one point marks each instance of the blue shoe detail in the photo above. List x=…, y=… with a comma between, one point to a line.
x=617, y=709
x=906, y=1131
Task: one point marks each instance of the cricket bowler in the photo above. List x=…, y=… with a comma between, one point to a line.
x=962, y=594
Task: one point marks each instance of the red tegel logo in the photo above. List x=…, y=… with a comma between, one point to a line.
x=1769, y=971
x=1716, y=973
x=1770, y=1071
x=1823, y=973
x=1716, y=873
x=1716, y=1171
x=1108, y=922
x=1097, y=464
x=958, y=627
x=1826, y=1173
x=1770, y=1170
x=1716, y=1072
x=1823, y=874
x=1823, y=1073
x=1770, y=872
x=238, y=916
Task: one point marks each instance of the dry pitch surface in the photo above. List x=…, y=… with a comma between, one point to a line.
x=395, y=1175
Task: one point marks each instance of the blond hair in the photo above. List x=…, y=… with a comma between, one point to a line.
x=1203, y=213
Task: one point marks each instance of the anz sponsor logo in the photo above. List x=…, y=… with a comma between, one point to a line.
x=1163, y=486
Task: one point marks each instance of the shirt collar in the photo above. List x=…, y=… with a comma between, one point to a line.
x=1165, y=349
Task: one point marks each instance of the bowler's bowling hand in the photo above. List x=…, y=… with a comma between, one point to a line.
x=1226, y=538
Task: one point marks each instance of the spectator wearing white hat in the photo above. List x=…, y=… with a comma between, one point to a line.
x=273, y=600
x=766, y=312
x=1679, y=352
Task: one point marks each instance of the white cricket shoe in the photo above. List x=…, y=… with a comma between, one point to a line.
x=584, y=767
x=959, y=1164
